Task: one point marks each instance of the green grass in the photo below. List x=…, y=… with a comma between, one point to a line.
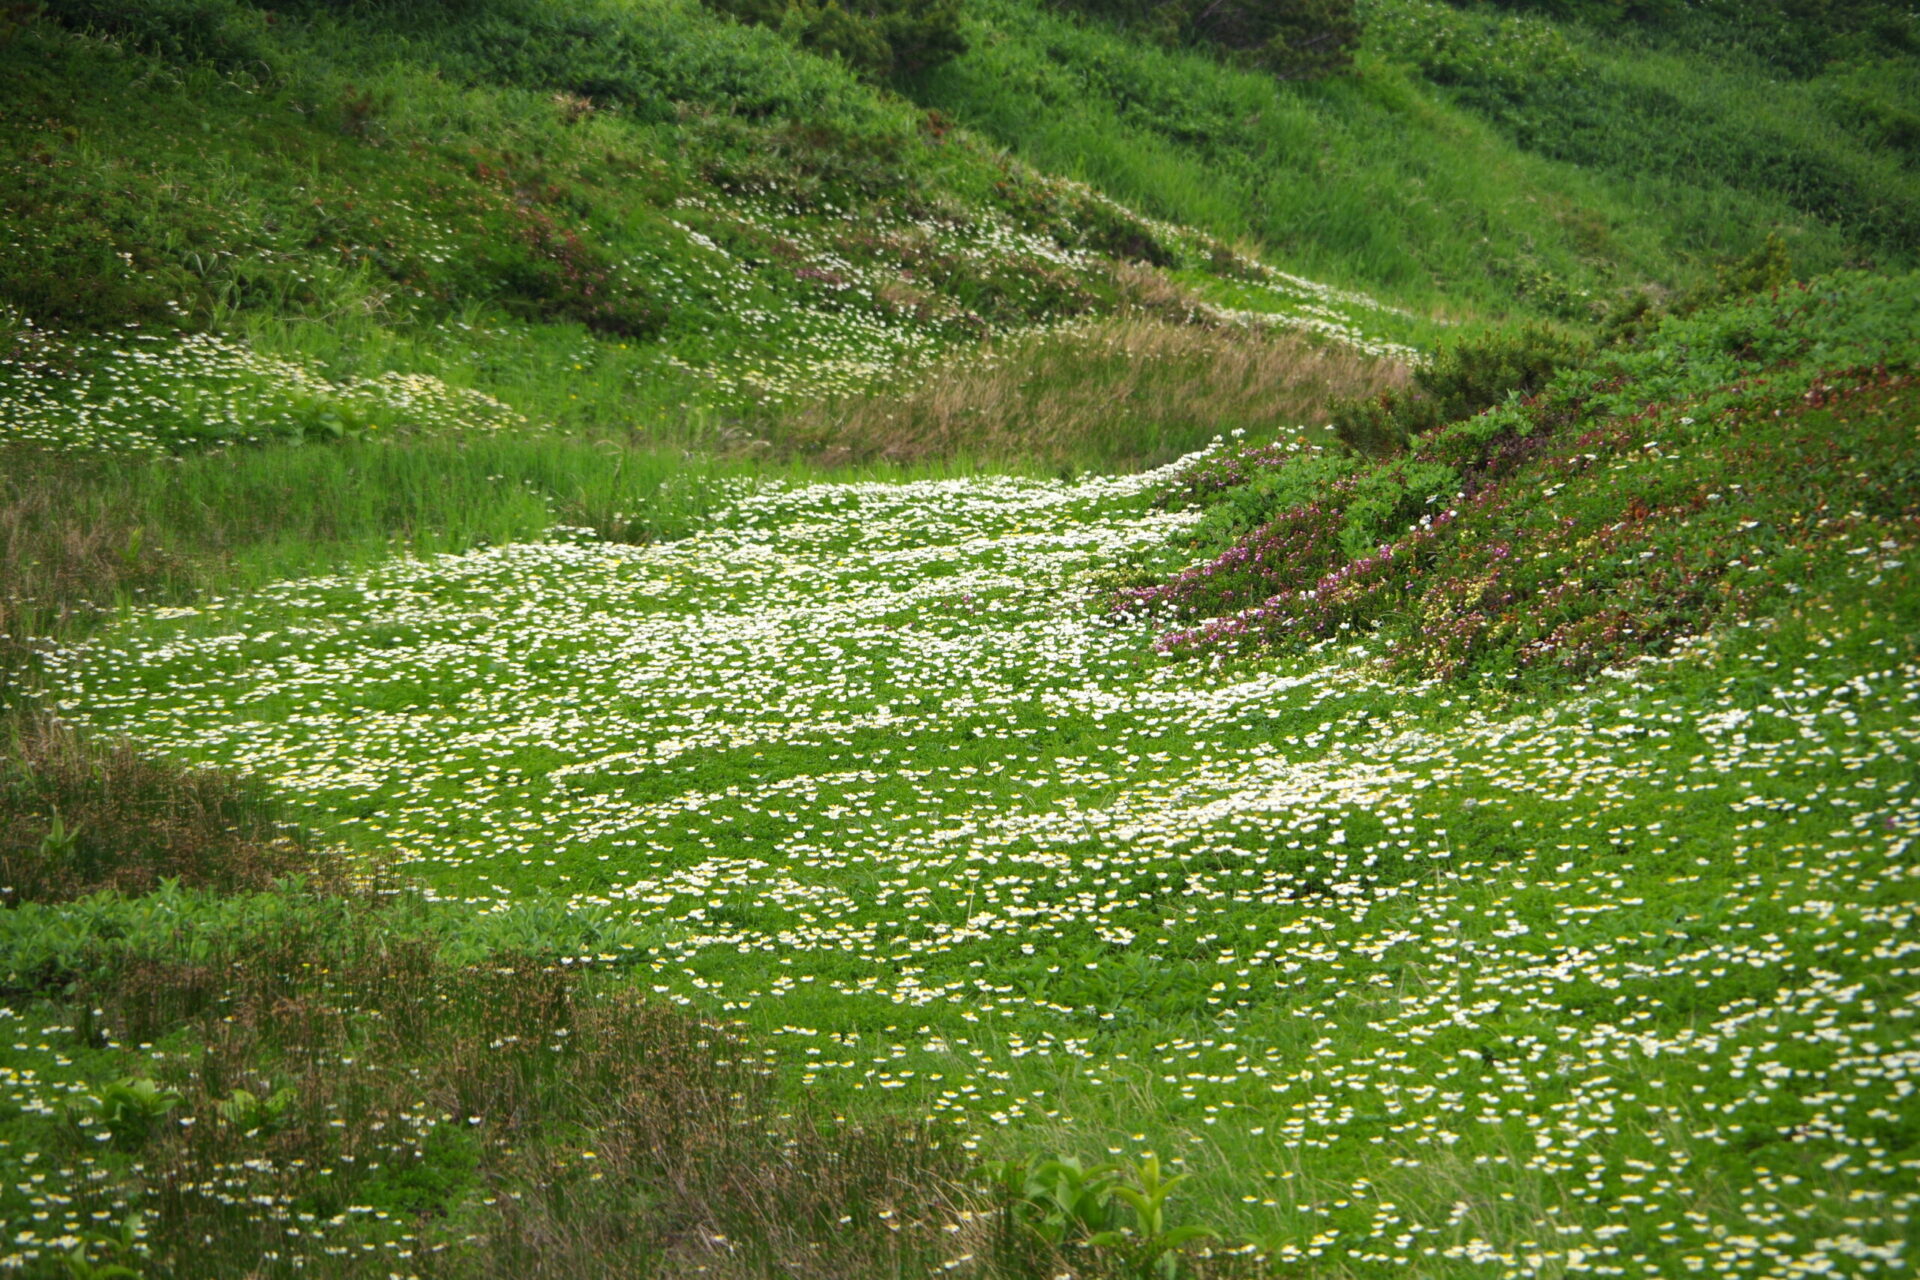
x=1706, y=143
x=86, y=535
x=446, y=430
x=859, y=771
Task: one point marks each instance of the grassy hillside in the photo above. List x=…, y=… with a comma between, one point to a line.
x=626, y=649
x=511, y=271
x=1473, y=160
x=610, y=217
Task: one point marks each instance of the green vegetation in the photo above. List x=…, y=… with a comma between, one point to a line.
x=1590, y=518
x=851, y=769
x=1473, y=160
x=222, y=1079
x=882, y=38
x=1292, y=39
x=644, y=637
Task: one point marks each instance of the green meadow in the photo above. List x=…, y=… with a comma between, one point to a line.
x=1015, y=641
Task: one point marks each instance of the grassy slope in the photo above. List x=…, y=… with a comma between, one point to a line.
x=1471, y=161
x=611, y=217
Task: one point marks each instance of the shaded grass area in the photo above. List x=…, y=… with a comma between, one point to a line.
x=1705, y=135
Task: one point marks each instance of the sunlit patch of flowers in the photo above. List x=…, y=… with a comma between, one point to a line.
x=149, y=392
x=1408, y=979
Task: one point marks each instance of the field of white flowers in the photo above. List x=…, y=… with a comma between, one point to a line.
x=1433, y=977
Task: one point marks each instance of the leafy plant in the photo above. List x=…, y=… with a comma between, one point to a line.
x=130, y=1109
x=116, y=1249
x=245, y=1110
x=1064, y=1204
x=1151, y=1242
x=57, y=845
x=1058, y=1200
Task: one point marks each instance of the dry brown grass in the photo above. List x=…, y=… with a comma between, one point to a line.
x=65, y=556
x=76, y=817
x=1114, y=394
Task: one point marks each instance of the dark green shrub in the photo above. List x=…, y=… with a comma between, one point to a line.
x=1797, y=36
x=1766, y=269
x=884, y=39
x=1380, y=425
x=230, y=35
x=1477, y=374
x=1464, y=379
x=1294, y=39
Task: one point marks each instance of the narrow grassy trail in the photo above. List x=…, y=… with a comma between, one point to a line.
x=1400, y=972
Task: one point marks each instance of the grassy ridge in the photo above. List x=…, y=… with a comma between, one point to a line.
x=1592, y=522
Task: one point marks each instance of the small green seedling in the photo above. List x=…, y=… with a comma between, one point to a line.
x=130, y=1108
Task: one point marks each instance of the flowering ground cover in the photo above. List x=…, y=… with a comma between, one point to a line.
x=1405, y=974
x=1487, y=852
x=1707, y=473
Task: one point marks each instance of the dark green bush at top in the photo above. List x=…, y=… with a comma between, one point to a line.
x=1765, y=270
x=1293, y=39
x=231, y=36
x=883, y=39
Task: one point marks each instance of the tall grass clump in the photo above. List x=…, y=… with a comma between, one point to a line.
x=78, y=817
x=1114, y=395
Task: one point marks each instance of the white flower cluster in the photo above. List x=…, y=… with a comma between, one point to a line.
x=152, y=393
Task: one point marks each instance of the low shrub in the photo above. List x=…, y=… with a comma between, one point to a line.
x=1463, y=379
x=1293, y=39
x=883, y=39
